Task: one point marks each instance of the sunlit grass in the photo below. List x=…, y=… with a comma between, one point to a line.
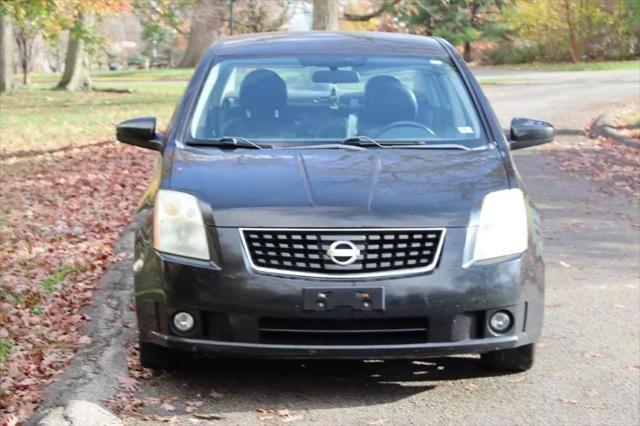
x=137, y=75
x=40, y=118
x=579, y=66
x=5, y=350
x=51, y=282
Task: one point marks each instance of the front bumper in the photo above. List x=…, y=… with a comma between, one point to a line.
x=231, y=303
x=257, y=350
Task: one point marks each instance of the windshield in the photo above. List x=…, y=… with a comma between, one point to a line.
x=310, y=100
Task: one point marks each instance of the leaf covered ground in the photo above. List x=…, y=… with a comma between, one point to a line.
x=60, y=217
x=612, y=165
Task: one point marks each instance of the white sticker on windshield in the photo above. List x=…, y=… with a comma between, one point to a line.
x=435, y=61
x=465, y=129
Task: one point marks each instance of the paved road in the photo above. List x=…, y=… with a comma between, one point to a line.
x=588, y=366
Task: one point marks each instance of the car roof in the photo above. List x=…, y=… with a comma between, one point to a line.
x=329, y=43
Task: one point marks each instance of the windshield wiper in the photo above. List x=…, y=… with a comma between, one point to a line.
x=361, y=141
x=227, y=142
x=365, y=141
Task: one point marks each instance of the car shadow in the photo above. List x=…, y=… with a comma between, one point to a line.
x=246, y=385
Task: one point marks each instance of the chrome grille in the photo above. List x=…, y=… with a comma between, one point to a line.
x=304, y=252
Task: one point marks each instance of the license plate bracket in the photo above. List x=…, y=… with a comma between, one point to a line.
x=356, y=298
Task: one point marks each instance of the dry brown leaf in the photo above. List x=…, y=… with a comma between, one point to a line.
x=168, y=407
x=84, y=340
x=207, y=416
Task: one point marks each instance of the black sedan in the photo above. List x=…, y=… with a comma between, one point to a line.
x=337, y=195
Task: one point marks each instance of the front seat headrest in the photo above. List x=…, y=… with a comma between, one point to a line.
x=263, y=93
x=388, y=102
x=377, y=83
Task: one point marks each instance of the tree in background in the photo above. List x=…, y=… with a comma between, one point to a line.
x=576, y=30
x=325, y=15
x=366, y=10
x=210, y=18
x=6, y=53
x=461, y=22
x=78, y=17
x=31, y=18
x=76, y=73
x=162, y=21
x=25, y=33
x=632, y=24
x=49, y=18
x=258, y=16
x=207, y=21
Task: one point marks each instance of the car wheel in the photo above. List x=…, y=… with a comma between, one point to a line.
x=159, y=358
x=509, y=360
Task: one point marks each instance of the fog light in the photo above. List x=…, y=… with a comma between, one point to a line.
x=183, y=321
x=500, y=321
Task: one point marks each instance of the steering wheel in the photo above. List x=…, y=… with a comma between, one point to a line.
x=398, y=127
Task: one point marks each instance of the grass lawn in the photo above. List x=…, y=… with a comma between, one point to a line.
x=39, y=118
x=580, y=66
x=124, y=75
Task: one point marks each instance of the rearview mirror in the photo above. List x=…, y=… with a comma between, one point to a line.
x=336, y=76
x=140, y=132
x=526, y=132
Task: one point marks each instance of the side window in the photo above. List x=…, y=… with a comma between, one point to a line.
x=466, y=123
x=233, y=85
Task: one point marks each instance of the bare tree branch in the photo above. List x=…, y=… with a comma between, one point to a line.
x=386, y=4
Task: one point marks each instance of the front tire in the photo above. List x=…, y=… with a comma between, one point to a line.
x=160, y=358
x=509, y=360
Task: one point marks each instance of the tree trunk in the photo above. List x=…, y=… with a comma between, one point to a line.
x=207, y=20
x=6, y=54
x=76, y=69
x=325, y=15
x=573, y=44
x=466, y=53
x=25, y=41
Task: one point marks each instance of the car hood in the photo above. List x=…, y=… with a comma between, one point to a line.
x=339, y=188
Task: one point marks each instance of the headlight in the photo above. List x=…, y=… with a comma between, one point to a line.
x=501, y=228
x=178, y=227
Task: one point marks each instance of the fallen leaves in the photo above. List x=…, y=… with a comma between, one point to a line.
x=128, y=384
x=207, y=416
x=569, y=401
x=168, y=407
x=605, y=161
x=84, y=340
x=592, y=393
x=61, y=215
x=127, y=403
x=285, y=415
x=593, y=355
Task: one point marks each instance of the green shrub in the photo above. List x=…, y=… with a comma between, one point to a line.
x=510, y=53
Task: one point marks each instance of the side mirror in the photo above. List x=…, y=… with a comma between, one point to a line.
x=526, y=132
x=140, y=132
